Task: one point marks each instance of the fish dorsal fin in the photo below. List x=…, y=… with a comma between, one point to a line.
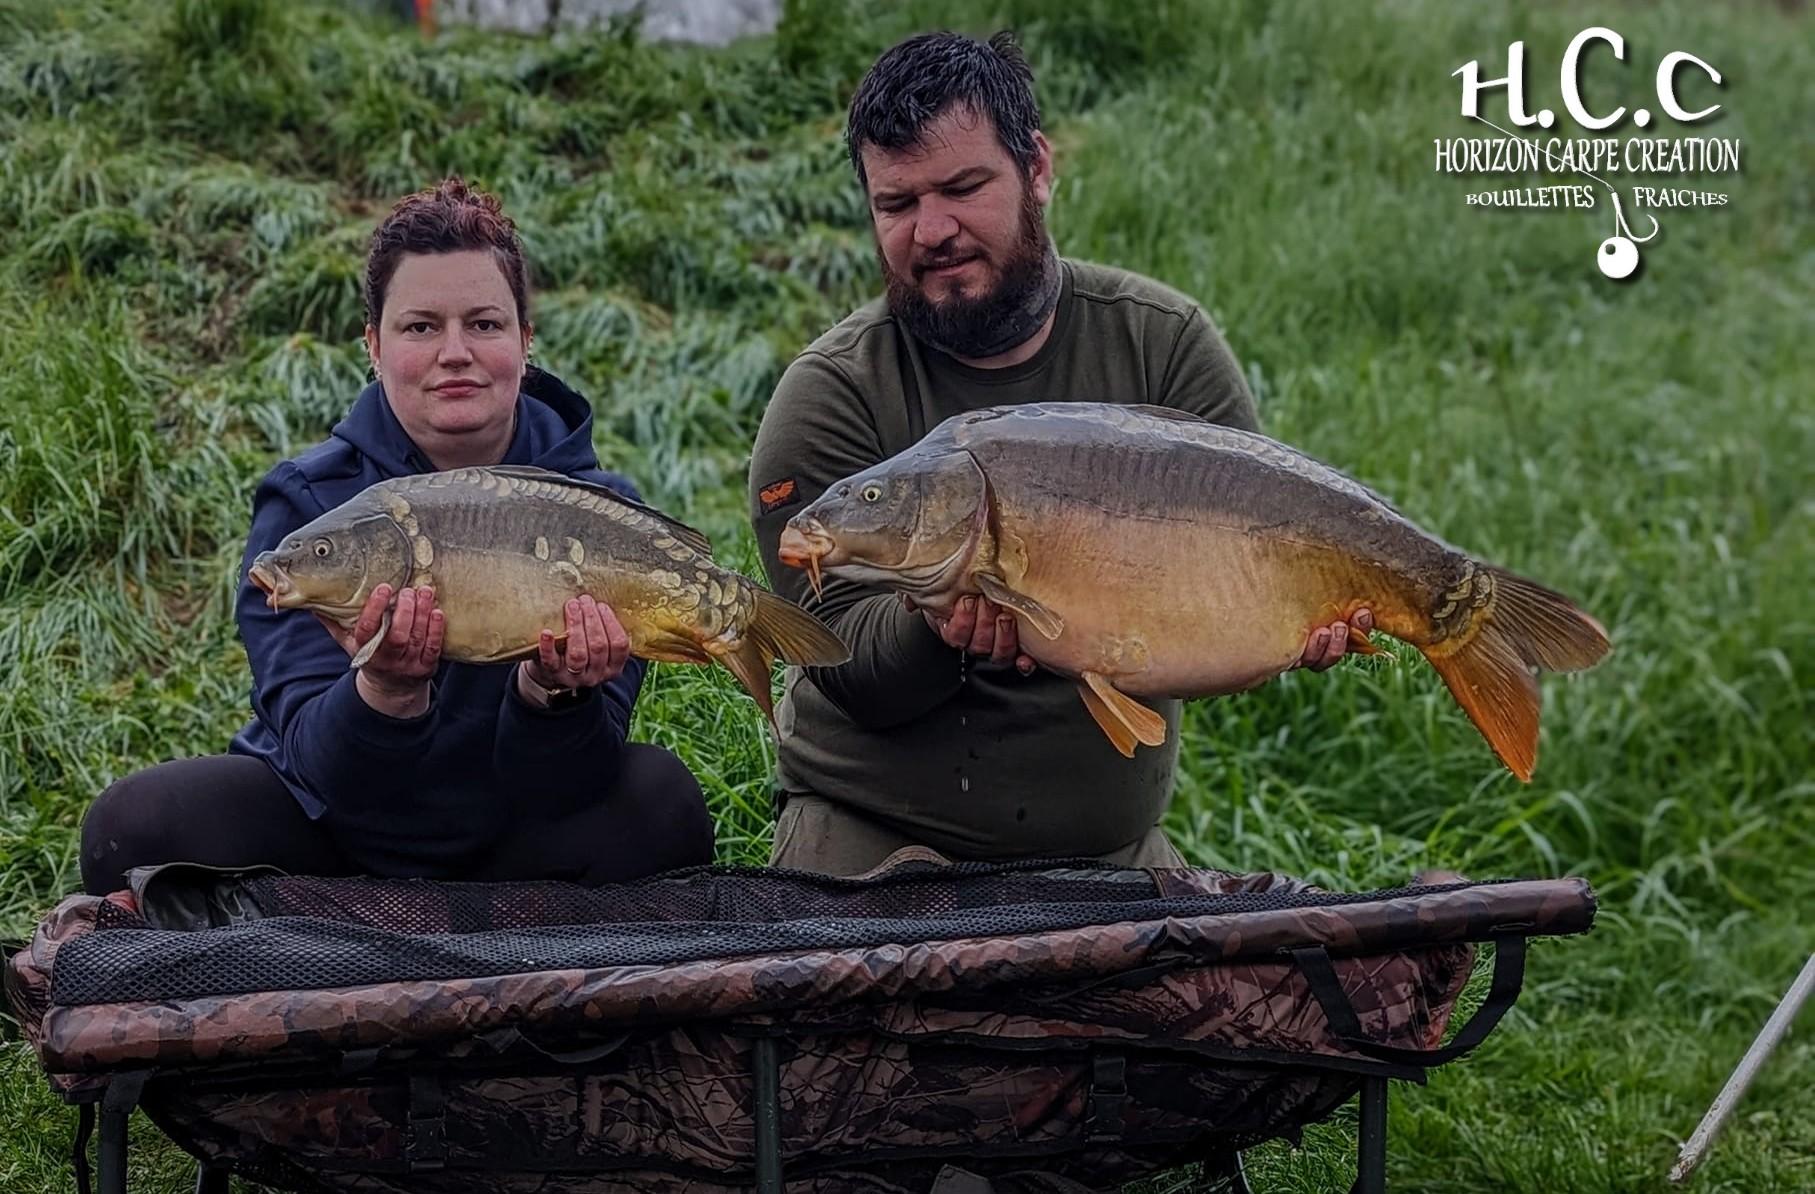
x=674, y=526
x=1167, y=412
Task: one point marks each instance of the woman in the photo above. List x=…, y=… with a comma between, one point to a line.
x=414, y=765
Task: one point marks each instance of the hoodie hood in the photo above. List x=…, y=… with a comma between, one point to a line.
x=554, y=430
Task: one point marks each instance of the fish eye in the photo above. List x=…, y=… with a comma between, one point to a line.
x=872, y=492
x=323, y=547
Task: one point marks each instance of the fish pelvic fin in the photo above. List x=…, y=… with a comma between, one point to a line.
x=1490, y=668
x=370, y=647
x=1123, y=718
x=787, y=632
x=779, y=630
x=1038, y=616
x=1120, y=736
x=750, y=664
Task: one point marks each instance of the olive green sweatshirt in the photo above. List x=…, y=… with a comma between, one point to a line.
x=968, y=757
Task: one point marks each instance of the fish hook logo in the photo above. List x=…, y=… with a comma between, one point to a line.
x=1619, y=254
x=1617, y=257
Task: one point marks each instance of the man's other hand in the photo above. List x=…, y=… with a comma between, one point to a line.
x=1328, y=644
x=978, y=626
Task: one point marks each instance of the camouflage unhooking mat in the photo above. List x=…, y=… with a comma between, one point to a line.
x=1040, y=1026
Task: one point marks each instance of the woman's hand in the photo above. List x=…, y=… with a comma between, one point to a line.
x=395, y=680
x=595, y=653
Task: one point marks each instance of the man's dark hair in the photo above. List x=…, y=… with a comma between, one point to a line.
x=915, y=81
x=445, y=218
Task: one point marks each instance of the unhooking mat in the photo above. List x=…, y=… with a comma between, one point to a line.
x=1042, y=1026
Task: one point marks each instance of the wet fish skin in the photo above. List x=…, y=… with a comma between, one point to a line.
x=1148, y=552
x=505, y=547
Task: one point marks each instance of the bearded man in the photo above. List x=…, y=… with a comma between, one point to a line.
x=940, y=732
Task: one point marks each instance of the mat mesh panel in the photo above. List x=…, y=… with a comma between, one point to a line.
x=720, y=896
x=324, y=933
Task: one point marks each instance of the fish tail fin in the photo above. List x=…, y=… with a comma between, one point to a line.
x=790, y=633
x=1490, y=665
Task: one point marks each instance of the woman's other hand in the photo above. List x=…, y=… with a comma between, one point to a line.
x=395, y=680
x=596, y=650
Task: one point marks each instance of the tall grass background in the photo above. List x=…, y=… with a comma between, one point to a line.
x=187, y=185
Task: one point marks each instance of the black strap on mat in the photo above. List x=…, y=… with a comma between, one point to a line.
x=1106, y=1109
x=1509, y=976
x=425, y=1142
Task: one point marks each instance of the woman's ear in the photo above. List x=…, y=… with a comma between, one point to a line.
x=372, y=347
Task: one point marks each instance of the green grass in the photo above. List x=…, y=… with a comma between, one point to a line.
x=187, y=185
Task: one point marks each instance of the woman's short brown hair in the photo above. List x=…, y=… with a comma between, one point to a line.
x=446, y=218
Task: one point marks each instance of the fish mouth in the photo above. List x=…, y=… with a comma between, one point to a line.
x=804, y=545
x=270, y=577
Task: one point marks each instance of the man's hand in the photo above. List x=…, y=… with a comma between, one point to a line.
x=596, y=650
x=395, y=679
x=978, y=626
x=1328, y=644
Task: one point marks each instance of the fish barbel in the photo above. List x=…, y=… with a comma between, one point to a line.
x=1147, y=552
x=505, y=548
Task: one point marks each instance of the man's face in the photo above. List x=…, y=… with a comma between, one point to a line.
x=956, y=226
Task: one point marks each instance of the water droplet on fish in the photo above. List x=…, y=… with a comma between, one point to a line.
x=964, y=783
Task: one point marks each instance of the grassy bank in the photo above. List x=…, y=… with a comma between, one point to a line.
x=187, y=185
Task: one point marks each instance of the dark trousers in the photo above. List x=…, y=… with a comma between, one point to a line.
x=232, y=811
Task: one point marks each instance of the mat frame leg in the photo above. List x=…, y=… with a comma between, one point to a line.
x=1232, y=1176
x=1370, y=1149
x=766, y=1058
x=113, y=1150
x=209, y=1179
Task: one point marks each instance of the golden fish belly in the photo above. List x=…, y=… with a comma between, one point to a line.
x=1186, y=609
x=497, y=603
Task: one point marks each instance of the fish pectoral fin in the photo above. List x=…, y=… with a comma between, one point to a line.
x=370, y=647
x=1120, y=736
x=1361, y=644
x=1042, y=619
x=1141, y=723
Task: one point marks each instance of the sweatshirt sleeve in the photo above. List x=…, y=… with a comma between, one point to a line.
x=302, y=686
x=815, y=432
x=542, y=750
x=1203, y=377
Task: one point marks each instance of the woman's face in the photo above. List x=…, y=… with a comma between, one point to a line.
x=451, y=352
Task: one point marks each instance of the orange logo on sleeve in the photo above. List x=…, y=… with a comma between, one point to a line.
x=774, y=497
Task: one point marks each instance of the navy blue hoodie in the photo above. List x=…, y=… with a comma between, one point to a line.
x=427, y=795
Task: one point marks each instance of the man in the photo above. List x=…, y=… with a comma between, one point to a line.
x=941, y=732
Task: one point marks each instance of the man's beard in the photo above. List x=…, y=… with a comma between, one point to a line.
x=993, y=322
